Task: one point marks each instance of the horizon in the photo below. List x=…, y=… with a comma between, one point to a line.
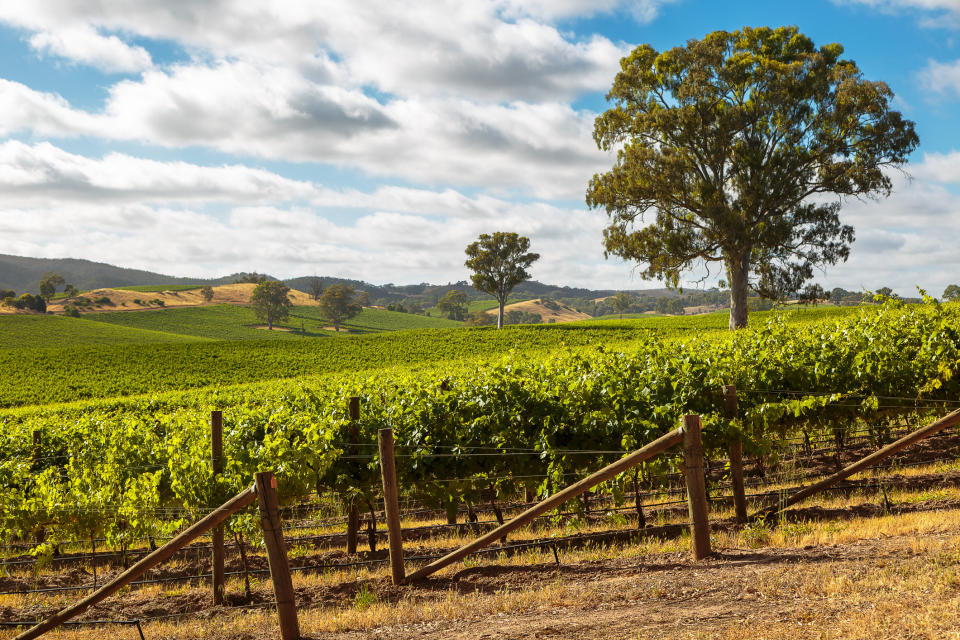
x=375, y=143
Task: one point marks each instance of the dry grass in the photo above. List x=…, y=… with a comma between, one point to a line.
x=891, y=576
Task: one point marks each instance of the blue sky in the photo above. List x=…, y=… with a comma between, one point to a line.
x=376, y=140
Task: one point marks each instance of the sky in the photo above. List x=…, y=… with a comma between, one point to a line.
x=375, y=140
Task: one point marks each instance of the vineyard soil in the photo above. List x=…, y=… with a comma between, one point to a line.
x=891, y=576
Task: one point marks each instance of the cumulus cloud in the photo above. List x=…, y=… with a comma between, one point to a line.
x=941, y=77
x=379, y=246
x=484, y=49
x=544, y=149
x=84, y=45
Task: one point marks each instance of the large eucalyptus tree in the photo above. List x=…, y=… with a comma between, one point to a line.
x=739, y=149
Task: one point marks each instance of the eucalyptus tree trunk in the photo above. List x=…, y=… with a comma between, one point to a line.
x=502, y=302
x=737, y=273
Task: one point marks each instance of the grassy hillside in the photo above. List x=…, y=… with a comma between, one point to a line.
x=217, y=322
x=232, y=322
x=33, y=331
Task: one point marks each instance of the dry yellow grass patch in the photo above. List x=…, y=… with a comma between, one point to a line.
x=562, y=314
x=123, y=300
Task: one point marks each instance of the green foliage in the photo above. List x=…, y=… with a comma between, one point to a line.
x=499, y=263
x=453, y=305
x=270, y=302
x=338, y=303
x=729, y=143
x=207, y=293
x=48, y=285
x=117, y=467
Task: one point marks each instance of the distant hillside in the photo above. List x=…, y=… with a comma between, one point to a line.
x=23, y=274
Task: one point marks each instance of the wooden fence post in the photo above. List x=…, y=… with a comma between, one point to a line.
x=731, y=406
x=218, y=516
x=277, y=555
x=656, y=447
x=696, y=487
x=353, y=514
x=216, y=455
x=877, y=456
x=391, y=504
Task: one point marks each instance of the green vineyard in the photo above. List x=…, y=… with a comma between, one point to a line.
x=465, y=427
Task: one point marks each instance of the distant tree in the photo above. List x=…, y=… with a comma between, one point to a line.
x=338, y=303
x=270, y=302
x=479, y=319
x=952, y=292
x=48, y=285
x=453, y=305
x=30, y=302
x=315, y=287
x=621, y=302
x=207, y=293
x=254, y=278
x=514, y=316
x=70, y=291
x=530, y=317
x=738, y=149
x=499, y=263
x=7, y=293
x=885, y=292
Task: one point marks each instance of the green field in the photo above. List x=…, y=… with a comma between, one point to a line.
x=34, y=331
x=92, y=359
x=64, y=374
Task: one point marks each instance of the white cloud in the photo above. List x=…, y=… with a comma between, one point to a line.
x=941, y=77
x=378, y=246
x=84, y=45
x=545, y=149
x=937, y=13
x=484, y=49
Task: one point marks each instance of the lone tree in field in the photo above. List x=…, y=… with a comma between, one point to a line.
x=339, y=303
x=453, y=305
x=728, y=150
x=207, y=292
x=315, y=287
x=952, y=292
x=621, y=302
x=48, y=285
x=499, y=263
x=270, y=302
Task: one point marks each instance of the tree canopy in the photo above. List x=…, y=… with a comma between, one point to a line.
x=743, y=145
x=499, y=263
x=338, y=303
x=453, y=305
x=270, y=302
x=48, y=285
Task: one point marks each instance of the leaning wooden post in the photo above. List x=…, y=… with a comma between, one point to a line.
x=218, y=516
x=216, y=459
x=656, y=447
x=266, y=484
x=391, y=504
x=876, y=457
x=731, y=406
x=353, y=514
x=696, y=487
